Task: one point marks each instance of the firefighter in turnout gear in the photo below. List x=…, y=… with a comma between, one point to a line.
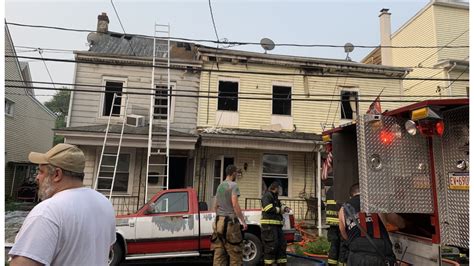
x=366, y=235
x=274, y=243
x=338, y=251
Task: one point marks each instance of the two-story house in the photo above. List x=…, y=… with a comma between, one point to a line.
x=439, y=24
x=265, y=113
x=28, y=123
x=122, y=64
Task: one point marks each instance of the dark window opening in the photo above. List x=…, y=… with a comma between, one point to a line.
x=110, y=89
x=161, y=102
x=281, y=100
x=228, y=96
x=349, y=102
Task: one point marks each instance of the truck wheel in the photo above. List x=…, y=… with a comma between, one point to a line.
x=252, y=251
x=115, y=254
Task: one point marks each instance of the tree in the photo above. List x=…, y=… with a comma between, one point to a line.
x=59, y=105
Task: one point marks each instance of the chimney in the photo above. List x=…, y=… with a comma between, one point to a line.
x=385, y=36
x=103, y=23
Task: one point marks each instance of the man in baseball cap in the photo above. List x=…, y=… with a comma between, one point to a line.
x=68, y=217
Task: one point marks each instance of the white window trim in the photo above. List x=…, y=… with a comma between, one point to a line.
x=222, y=176
x=12, y=103
x=173, y=98
x=106, y=79
x=131, y=170
x=290, y=171
x=283, y=84
x=219, y=79
x=347, y=88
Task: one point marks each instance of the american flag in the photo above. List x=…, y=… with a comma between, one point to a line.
x=327, y=166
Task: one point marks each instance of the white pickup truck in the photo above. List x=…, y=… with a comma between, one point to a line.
x=174, y=224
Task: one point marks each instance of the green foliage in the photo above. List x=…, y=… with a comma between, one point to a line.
x=298, y=250
x=320, y=246
x=59, y=105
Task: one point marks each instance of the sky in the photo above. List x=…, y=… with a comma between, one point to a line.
x=304, y=22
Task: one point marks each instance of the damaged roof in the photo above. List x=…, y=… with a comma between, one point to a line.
x=258, y=133
x=127, y=130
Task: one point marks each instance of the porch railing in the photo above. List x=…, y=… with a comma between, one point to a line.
x=124, y=204
x=303, y=209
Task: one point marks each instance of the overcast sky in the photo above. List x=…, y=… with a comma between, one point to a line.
x=304, y=22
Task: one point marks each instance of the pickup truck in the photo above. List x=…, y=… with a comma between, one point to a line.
x=174, y=224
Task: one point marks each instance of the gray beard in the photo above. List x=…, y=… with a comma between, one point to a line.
x=46, y=189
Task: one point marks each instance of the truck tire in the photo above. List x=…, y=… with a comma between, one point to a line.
x=252, y=250
x=116, y=254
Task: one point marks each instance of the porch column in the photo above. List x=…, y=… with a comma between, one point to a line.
x=318, y=192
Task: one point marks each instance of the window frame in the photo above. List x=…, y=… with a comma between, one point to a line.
x=12, y=107
x=282, y=84
x=356, y=111
x=106, y=79
x=155, y=203
x=131, y=171
x=288, y=175
x=173, y=97
x=228, y=79
x=222, y=176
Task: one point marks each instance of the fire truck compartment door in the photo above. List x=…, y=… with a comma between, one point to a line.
x=394, y=172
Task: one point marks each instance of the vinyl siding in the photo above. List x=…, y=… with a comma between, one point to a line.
x=452, y=23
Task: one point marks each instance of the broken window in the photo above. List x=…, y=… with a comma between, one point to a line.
x=275, y=168
x=121, y=173
x=161, y=101
x=9, y=107
x=112, y=87
x=281, y=103
x=228, y=96
x=349, y=104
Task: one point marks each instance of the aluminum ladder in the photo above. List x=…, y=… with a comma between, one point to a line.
x=160, y=98
x=111, y=150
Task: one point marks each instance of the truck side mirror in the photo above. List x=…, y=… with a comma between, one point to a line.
x=150, y=209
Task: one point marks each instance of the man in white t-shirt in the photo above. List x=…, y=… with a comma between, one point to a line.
x=73, y=225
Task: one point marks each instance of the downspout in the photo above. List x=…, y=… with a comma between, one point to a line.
x=13, y=181
x=318, y=192
x=448, y=76
x=71, y=96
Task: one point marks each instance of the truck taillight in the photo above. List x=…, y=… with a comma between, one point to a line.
x=292, y=220
x=440, y=128
x=386, y=137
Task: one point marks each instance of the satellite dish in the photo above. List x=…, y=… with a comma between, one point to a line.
x=348, y=48
x=92, y=38
x=267, y=44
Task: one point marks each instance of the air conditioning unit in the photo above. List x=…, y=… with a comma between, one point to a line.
x=135, y=120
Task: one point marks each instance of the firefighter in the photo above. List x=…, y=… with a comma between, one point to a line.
x=366, y=235
x=274, y=243
x=338, y=251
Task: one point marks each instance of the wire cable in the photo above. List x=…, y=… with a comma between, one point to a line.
x=121, y=25
x=442, y=47
x=46, y=66
x=213, y=22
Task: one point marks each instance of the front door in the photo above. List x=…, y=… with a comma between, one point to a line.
x=220, y=164
x=178, y=170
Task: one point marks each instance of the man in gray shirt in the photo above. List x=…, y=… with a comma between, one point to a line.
x=227, y=237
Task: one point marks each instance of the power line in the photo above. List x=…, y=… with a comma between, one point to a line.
x=46, y=66
x=213, y=22
x=250, y=43
x=121, y=25
x=457, y=78
x=237, y=71
x=303, y=99
x=442, y=47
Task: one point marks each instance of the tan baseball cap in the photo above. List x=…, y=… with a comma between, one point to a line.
x=64, y=156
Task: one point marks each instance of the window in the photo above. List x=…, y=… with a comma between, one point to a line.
x=171, y=202
x=161, y=101
x=121, y=175
x=9, y=107
x=275, y=168
x=219, y=171
x=112, y=87
x=228, y=96
x=281, y=103
x=349, y=104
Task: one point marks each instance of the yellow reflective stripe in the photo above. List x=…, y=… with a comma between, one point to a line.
x=331, y=261
x=282, y=260
x=268, y=207
x=266, y=221
x=331, y=220
x=269, y=261
x=331, y=212
x=330, y=202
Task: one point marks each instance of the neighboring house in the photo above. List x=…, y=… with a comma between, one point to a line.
x=270, y=125
x=108, y=66
x=439, y=23
x=28, y=123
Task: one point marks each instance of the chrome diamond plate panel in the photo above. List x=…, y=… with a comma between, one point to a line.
x=454, y=203
x=393, y=167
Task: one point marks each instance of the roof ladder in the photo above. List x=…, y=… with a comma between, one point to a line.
x=109, y=157
x=160, y=105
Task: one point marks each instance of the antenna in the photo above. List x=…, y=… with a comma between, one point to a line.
x=267, y=44
x=348, y=48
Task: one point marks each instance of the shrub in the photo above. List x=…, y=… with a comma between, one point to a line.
x=320, y=246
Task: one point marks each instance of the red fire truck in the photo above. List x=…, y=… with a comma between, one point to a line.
x=412, y=161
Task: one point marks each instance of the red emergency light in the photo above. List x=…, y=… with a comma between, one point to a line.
x=386, y=137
